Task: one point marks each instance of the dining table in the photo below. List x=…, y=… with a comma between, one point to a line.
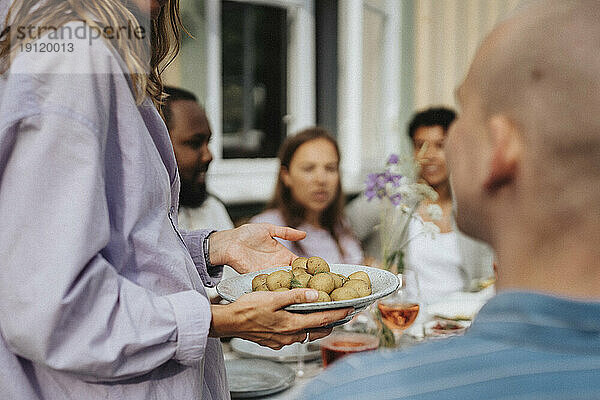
x=461, y=306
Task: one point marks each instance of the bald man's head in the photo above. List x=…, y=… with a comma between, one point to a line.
x=542, y=69
x=537, y=77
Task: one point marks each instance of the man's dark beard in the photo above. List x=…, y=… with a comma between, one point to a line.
x=192, y=195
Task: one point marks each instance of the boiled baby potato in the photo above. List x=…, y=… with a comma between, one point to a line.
x=338, y=281
x=362, y=288
x=323, y=282
x=344, y=278
x=361, y=275
x=299, y=271
x=260, y=288
x=316, y=265
x=279, y=279
x=344, y=293
x=322, y=297
x=299, y=262
x=258, y=280
x=301, y=280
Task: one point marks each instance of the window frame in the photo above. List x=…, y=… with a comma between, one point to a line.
x=252, y=180
x=354, y=166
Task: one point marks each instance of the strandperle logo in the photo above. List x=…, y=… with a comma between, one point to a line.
x=82, y=32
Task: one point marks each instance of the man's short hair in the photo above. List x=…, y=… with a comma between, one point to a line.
x=434, y=116
x=174, y=94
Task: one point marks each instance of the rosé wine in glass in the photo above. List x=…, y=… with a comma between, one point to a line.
x=398, y=316
x=340, y=344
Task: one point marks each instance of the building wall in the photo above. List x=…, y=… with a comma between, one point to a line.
x=447, y=34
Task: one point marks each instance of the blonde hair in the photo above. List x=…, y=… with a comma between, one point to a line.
x=164, y=39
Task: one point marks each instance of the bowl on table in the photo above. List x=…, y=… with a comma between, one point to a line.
x=440, y=328
x=382, y=283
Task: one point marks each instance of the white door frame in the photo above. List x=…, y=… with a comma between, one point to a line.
x=350, y=93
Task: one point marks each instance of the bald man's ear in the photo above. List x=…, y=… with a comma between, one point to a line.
x=506, y=152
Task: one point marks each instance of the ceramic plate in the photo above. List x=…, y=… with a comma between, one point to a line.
x=248, y=378
x=457, y=309
x=292, y=352
x=382, y=282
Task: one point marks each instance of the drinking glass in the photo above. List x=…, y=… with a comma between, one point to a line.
x=342, y=343
x=400, y=309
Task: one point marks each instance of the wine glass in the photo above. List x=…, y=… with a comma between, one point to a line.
x=305, y=353
x=400, y=309
x=302, y=349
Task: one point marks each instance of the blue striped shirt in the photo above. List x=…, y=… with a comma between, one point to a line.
x=521, y=346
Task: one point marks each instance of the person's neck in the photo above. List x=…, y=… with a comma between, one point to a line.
x=444, y=192
x=563, y=262
x=313, y=218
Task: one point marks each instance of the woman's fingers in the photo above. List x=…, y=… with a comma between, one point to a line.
x=309, y=320
x=294, y=296
x=319, y=319
x=286, y=233
x=315, y=334
x=277, y=341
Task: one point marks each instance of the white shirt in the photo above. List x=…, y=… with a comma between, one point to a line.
x=436, y=260
x=210, y=215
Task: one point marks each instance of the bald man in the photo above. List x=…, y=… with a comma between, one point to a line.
x=525, y=162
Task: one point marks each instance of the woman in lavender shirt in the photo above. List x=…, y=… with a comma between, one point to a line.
x=102, y=296
x=308, y=196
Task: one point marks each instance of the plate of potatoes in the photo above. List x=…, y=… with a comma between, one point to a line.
x=338, y=285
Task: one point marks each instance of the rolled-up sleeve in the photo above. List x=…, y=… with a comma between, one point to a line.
x=193, y=324
x=194, y=240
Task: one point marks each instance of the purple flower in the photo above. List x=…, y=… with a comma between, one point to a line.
x=381, y=181
x=370, y=194
x=373, y=186
x=376, y=184
x=371, y=181
x=393, y=159
x=396, y=199
x=389, y=176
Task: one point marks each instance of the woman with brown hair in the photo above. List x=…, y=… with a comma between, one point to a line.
x=101, y=295
x=308, y=196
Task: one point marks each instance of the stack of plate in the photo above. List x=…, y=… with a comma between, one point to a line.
x=291, y=353
x=249, y=378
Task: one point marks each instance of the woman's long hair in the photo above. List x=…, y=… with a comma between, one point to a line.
x=164, y=40
x=332, y=218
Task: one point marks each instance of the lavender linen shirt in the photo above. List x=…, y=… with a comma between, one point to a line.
x=101, y=297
